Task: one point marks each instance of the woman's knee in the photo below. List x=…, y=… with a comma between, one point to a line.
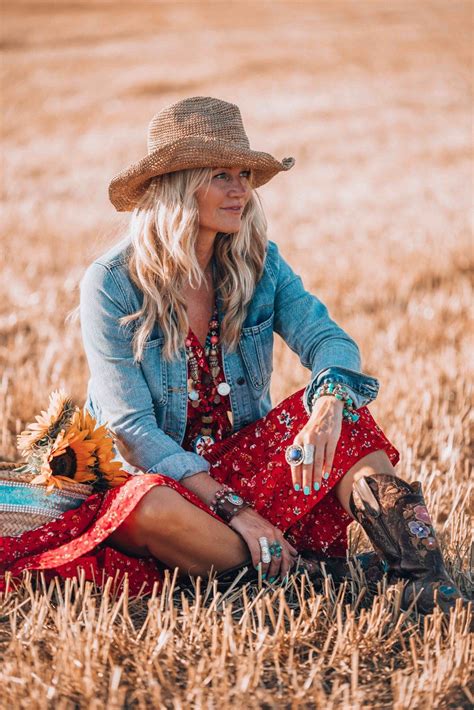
x=155, y=513
x=158, y=509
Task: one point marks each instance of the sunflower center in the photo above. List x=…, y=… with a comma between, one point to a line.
x=65, y=465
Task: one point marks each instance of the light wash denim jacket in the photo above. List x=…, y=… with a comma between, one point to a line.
x=145, y=404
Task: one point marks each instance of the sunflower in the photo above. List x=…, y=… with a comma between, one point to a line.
x=69, y=458
x=66, y=445
x=108, y=472
x=48, y=424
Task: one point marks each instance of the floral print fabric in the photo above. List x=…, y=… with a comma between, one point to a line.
x=252, y=461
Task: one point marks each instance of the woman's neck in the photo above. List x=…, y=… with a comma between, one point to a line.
x=205, y=250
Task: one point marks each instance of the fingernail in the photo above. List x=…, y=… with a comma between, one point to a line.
x=316, y=486
x=306, y=490
x=296, y=486
x=264, y=575
x=326, y=475
x=272, y=579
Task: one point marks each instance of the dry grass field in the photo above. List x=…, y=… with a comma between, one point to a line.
x=373, y=99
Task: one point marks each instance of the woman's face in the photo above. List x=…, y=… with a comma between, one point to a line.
x=221, y=206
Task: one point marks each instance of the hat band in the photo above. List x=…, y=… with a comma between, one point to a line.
x=241, y=143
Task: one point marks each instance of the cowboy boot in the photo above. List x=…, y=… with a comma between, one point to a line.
x=393, y=514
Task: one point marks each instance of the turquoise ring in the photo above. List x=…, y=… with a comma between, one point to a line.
x=276, y=549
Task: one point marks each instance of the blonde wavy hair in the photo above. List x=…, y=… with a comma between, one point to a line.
x=163, y=230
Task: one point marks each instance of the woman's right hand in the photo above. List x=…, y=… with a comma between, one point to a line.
x=250, y=525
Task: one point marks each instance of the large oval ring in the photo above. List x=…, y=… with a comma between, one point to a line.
x=308, y=453
x=276, y=549
x=265, y=556
x=294, y=455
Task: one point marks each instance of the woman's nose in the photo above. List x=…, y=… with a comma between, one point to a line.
x=239, y=186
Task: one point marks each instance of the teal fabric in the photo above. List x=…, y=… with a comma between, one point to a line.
x=21, y=496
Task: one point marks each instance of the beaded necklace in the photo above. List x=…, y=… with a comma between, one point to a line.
x=207, y=388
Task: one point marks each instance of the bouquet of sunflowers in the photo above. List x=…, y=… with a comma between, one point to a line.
x=67, y=458
x=66, y=445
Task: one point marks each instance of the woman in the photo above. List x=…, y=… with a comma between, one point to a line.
x=178, y=324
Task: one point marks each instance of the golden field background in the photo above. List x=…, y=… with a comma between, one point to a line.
x=374, y=101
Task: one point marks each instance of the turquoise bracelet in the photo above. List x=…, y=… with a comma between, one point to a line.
x=340, y=392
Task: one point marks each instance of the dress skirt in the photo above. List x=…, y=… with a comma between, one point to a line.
x=251, y=461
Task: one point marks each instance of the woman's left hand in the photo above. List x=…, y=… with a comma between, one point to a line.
x=323, y=430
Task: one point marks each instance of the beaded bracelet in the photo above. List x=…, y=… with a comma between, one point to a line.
x=340, y=392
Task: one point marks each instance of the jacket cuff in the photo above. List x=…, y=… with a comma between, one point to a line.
x=364, y=387
x=179, y=466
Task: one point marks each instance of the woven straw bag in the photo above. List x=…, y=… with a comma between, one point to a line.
x=26, y=506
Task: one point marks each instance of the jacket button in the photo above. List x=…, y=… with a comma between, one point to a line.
x=240, y=380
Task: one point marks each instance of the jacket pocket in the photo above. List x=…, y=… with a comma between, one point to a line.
x=154, y=370
x=256, y=346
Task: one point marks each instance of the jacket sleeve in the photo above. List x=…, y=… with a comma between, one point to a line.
x=304, y=323
x=119, y=385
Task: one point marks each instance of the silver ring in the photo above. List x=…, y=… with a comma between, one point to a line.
x=265, y=556
x=294, y=455
x=308, y=453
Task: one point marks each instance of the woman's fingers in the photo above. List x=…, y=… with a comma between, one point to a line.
x=307, y=478
x=279, y=564
x=293, y=550
x=318, y=464
x=252, y=527
x=311, y=473
x=287, y=562
x=273, y=568
x=296, y=477
x=302, y=474
x=329, y=458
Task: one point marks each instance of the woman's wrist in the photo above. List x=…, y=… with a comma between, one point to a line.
x=212, y=493
x=227, y=503
x=203, y=485
x=325, y=401
x=341, y=394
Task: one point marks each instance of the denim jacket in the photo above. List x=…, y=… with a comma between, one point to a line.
x=145, y=404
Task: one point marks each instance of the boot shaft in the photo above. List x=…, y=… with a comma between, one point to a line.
x=394, y=515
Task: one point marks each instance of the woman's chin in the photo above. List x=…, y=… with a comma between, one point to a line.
x=230, y=225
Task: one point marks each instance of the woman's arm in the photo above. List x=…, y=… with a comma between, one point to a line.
x=304, y=323
x=118, y=382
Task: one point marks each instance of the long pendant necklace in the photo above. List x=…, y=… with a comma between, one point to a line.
x=207, y=389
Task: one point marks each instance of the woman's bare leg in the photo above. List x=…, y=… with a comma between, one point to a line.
x=375, y=462
x=167, y=526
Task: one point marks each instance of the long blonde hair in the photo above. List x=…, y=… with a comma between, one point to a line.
x=163, y=230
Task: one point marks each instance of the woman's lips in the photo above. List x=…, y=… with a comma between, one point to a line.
x=232, y=209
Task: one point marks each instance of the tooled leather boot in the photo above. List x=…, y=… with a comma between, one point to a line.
x=393, y=514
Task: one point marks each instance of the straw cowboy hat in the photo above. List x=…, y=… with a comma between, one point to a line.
x=194, y=133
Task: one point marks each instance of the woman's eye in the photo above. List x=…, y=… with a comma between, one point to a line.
x=244, y=172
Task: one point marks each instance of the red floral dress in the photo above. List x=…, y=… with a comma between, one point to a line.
x=251, y=461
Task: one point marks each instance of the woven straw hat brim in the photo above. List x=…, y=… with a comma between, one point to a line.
x=128, y=186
